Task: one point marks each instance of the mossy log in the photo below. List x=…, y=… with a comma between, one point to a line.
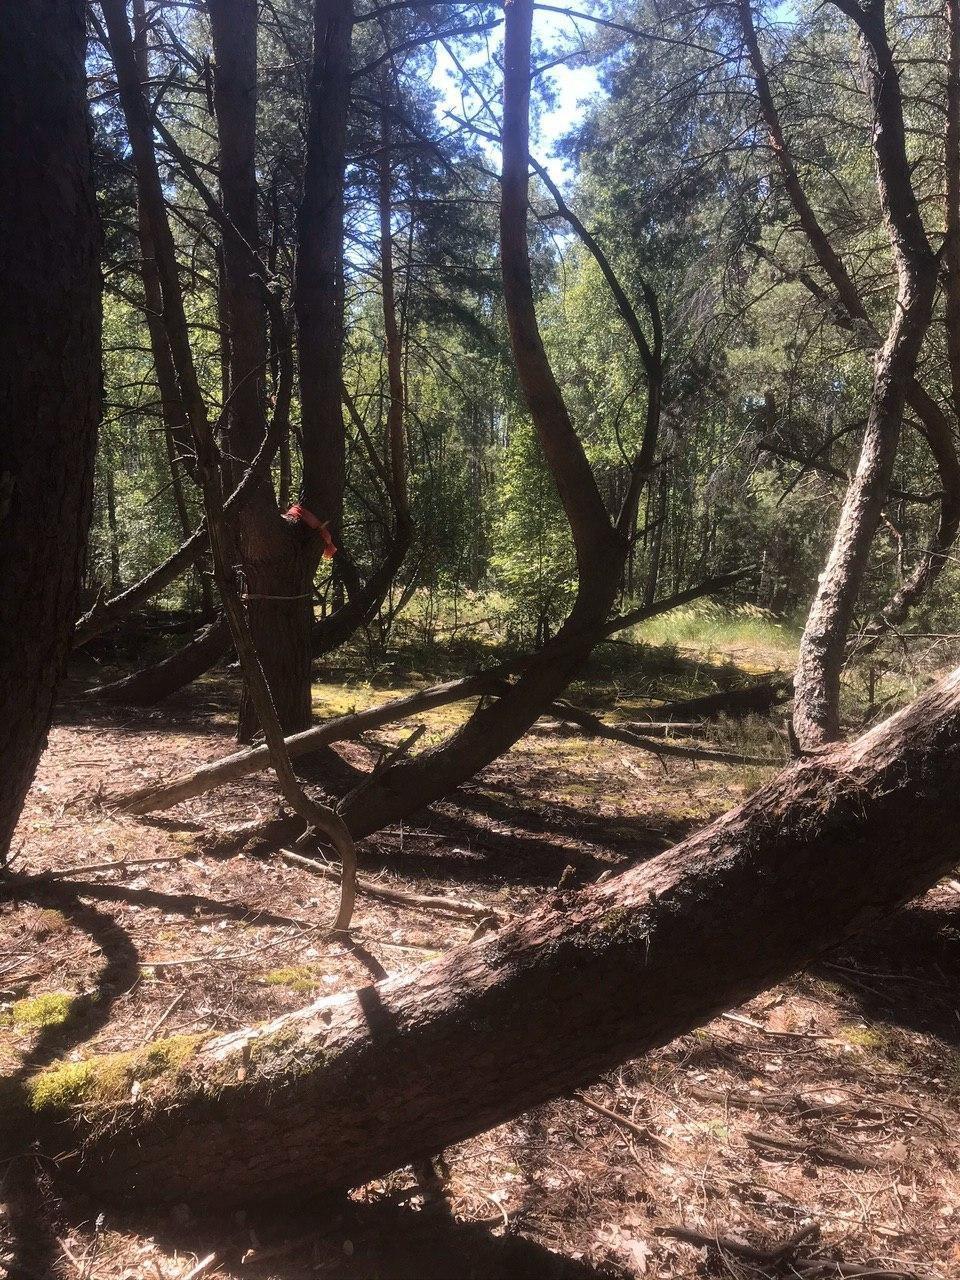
x=359, y=1083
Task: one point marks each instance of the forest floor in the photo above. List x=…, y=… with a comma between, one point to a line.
x=828, y=1105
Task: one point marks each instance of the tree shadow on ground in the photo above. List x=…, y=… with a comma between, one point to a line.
x=373, y=1241
x=30, y=1206
x=906, y=970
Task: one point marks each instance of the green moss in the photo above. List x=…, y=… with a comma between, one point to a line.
x=876, y=1039
x=47, y=1010
x=172, y=1053
x=110, y=1078
x=889, y=1049
x=61, y=1086
x=297, y=977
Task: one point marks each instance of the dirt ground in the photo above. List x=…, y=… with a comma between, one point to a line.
x=812, y=1133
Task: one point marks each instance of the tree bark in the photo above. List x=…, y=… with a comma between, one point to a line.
x=278, y=560
x=823, y=646
x=50, y=371
x=147, y=687
x=359, y=1083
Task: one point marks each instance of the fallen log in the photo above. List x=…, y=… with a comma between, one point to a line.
x=186, y=786
x=255, y=759
x=756, y=698
x=150, y=685
x=359, y=1083
x=587, y=723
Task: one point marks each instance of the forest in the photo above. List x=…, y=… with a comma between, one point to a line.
x=479, y=606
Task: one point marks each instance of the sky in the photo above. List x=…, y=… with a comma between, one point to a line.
x=572, y=88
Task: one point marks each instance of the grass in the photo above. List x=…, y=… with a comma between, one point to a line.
x=754, y=635
x=295, y=977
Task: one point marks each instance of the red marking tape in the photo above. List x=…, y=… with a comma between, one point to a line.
x=299, y=514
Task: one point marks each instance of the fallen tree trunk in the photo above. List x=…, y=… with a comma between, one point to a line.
x=362, y=1082
x=593, y=727
x=753, y=699
x=254, y=760
x=152, y=684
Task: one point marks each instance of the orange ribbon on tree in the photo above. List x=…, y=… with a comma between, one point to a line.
x=299, y=514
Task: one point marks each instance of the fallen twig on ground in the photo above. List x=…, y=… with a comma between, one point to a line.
x=421, y=902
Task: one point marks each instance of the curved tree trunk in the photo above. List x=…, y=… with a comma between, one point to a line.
x=600, y=549
x=823, y=646
x=849, y=312
x=359, y=1083
x=50, y=374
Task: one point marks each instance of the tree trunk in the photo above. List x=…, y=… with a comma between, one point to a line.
x=279, y=560
x=600, y=550
x=50, y=374
x=823, y=646
x=849, y=312
x=163, y=795
x=152, y=684
x=362, y=1082
x=318, y=288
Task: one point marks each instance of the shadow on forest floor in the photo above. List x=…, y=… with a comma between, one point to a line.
x=376, y=1241
x=905, y=972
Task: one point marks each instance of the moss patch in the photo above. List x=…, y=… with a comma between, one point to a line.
x=47, y=1010
x=110, y=1078
x=297, y=978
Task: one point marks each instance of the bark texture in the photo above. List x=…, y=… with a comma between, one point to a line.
x=50, y=371
x=823, y=646
x=278, y=559
x=359, y=1083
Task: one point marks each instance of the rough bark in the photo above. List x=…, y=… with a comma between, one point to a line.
x=359, y=1083
x=279, y=560
x=823, y=646
x=49, y=373
x=152, y=684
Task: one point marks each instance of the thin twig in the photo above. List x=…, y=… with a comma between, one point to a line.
x=422, y=902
